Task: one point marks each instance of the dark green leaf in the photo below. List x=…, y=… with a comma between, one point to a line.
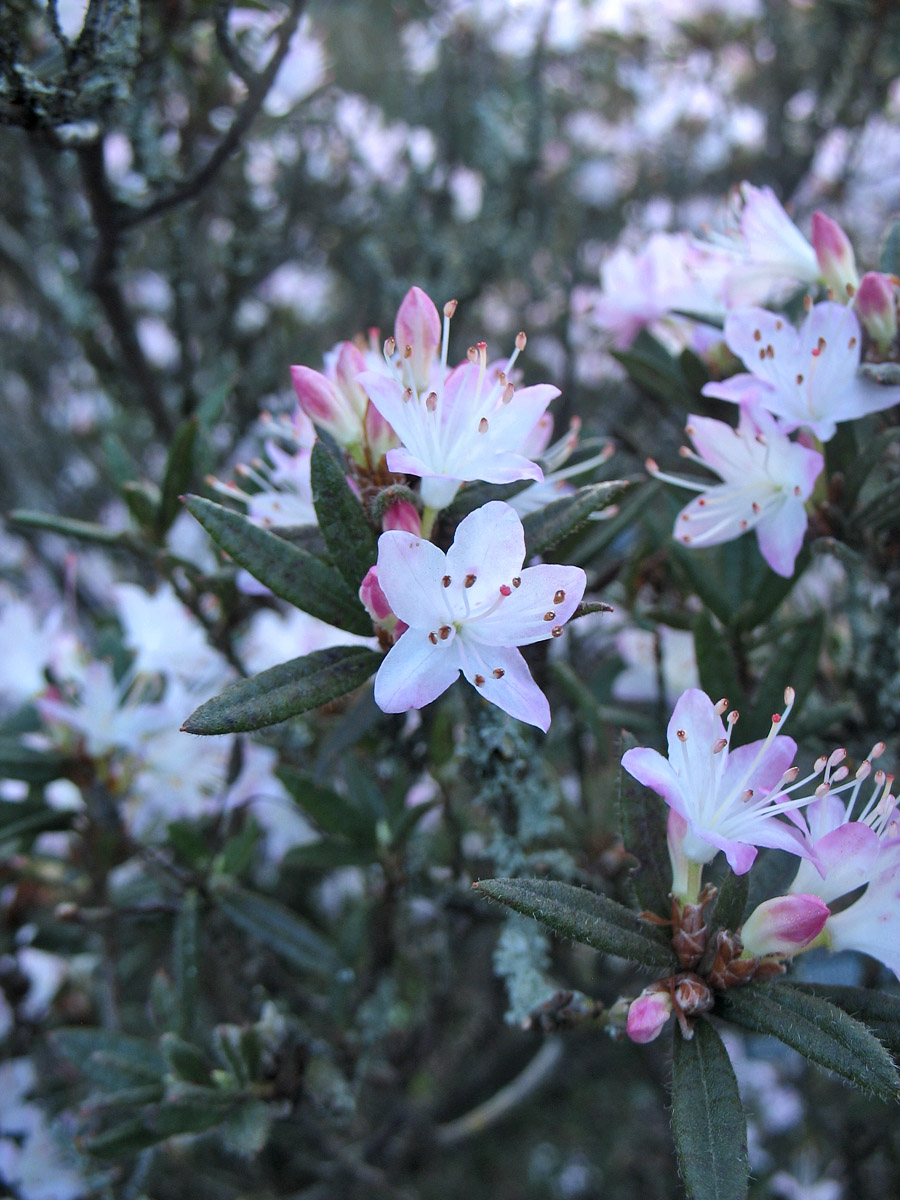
x=26, y=819
x=348, y=535
x=284, y=691
x=187, y=971
x=177, y=477
x=292, y=573
x=543, y=529
x=878, y=1010
x=881, y=509
x=708, y=1119
x=582, y=916
x=111, y=1060
x=731, y=903
x=185, y=1060
x=715, y=661
x=889, y=259
x=331, y=812
x=655, y=370
x=643, y=821
x=328, y=854
x=859, y=470
x=279, y=929
x=84, y=531
x=18, y=761
x=128, y=1137
x=142, y=499
x=795, y=661
x=819, y=1030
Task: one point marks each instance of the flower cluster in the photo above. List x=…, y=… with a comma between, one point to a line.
x=738, y=800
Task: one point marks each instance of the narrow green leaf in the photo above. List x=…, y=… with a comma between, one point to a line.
x=332, y=812
x=142, y=499
x=819, y=1030
x=708, y=1119
x=187, y=971
x=795, y=661
x=185, y=1060
x=292, y=573
x=84, y=531
x=112, y=1060
x=279, y=929
x=18, y=761
x=859, y=470
x=582, y=916
x=543, y=529
x=654, y=369
x=878, y=1010
x=125, y=1138
x=731, y=903
x=643, y=821
x=715, y=661
x=348, y=535
x=284, y=691
x=889, y=259
x=328, y=854
x=880, y=510
x=177, y=477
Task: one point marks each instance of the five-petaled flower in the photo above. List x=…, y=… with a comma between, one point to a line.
x=808, y=377
x=729, y=800
x=467, y=424
x=468, y=610
x=766, y=478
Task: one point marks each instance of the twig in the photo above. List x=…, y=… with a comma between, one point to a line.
x=255, y=97
x=516, y=1092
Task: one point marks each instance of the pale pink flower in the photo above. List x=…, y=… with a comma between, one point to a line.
x=876, y=308
x=467, y=611
x=766, y=479
x=465, y=425
x=808, y=377
x=769, y=255
x=277, y=491
x=729, y=800
x=871, y=924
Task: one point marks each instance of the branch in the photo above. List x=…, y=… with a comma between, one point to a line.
x=192, y=187
x=226, y=44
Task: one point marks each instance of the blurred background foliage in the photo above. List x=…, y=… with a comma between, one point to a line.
x=196, y=195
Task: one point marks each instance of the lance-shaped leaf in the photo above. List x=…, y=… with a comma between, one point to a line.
x=879, y=1010
x=547, y=526
x=582, y=916
x=279, y=929
x=185, y=955
x=179, y=468
x=819, y=1030
x=284, y=691
x=731, y=903
x=708, y=1119
x=292, y=573
x=715, y=661
x=84, y=531
x=643, y=822
x=348, y=535
x=111, y=1060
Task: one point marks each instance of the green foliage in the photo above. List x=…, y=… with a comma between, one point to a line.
x=279, y=929
x=348, y=535
x=284, y=691
x=707, y=1118
x=561, y=518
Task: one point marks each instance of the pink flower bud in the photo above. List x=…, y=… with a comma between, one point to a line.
x=348, y=364
x=402, y=515
x=326, y=407
x=376, y=605
x=418, y=326
x=835, y=255
x=876, y=309
x=783, y=925
x=647, y=1015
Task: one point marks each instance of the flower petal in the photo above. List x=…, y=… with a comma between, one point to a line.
x=410, y=572
x=415, y=672
x=513, y=689
x=780, y=534
x=531, y=612
x=489, y=545
x=649, y=767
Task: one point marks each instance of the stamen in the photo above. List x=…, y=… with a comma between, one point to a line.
x=799, y=379
x=548, y=616
x=431, y=401
x=498, y=672
x=478, y=681
x=469, y=580
x=483, y=425
x=390, y=347
x=516, y=581
x=559, y=596
x=721, y=707
x=556, y=631
x=432, y=637
x=446, y=581
x=681, y=735
x=445, y=632
x=719, y=745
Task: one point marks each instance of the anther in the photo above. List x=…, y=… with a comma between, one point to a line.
x=559, y=596
x=877, y=750
x=719, y=745
x=444, y=632
x=521, y=341
x=431, y=401
x=747, y=795
x=762, y=355
x=498, y=672
x=407, y=395
x=840, y=774
x=819, y=764
x=779, y=324
x=757, y=335
x=549, y=616
x=556, y=631
x=681, y=734
x=450, y=308
x=851, y=290
x=472, y=354
x=478, y=681
x=483, y=425
x=508, y=392
x=390, y=346
x=851, y=345
x=407, y=351
x=432, y=637
x=789, y=695
x=770, y=351
x=837, y=756
x=807, y=302
x=469, y=580
x=516, y=581
x=756, y=508
x=721, y=706
x=446, y=581
x=799, y=379
x=733, y=717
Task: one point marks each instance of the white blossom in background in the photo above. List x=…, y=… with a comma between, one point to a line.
x=36, y=1158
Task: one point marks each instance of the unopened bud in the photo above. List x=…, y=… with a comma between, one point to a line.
x=783, y=925
x=402, y=515
x=647, y=1015
x=326, y=407
x=418, y=327
x=835, y=255
x=876, y=309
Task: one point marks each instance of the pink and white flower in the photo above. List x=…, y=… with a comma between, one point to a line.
x=766, y=479
x=807, y=377
x=729, y=800
x=468, y=424
x=834, y=252
x=277, y=492
x=876, y=308
x=783, y=926
x=871, y=924
x=467, y=611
